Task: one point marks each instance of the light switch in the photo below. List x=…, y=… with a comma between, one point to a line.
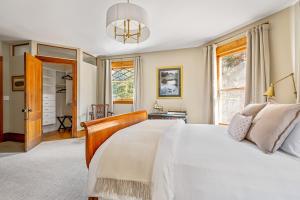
x=5, y=98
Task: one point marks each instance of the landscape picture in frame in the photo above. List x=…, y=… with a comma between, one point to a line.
x=169, y=81
x=18, y=83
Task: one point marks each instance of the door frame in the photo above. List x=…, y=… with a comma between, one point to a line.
x=74, y=86
x=1, y=100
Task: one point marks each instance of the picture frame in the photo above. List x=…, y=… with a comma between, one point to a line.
x=18, y=83
x=170, y=82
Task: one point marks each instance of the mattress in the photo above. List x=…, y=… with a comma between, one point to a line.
x=204, y=162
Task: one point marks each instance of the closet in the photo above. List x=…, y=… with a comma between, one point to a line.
x=57, y=97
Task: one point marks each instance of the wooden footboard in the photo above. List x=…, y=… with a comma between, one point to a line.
x=99, y=130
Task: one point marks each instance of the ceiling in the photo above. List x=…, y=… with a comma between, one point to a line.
x=173, y=23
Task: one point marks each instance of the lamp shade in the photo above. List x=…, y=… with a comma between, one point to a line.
x=270, y=91
x=137, y=17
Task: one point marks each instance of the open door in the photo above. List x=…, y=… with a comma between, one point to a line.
x=33, y=101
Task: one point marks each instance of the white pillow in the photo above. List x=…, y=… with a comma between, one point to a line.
x=239, y=126
x=292, y=143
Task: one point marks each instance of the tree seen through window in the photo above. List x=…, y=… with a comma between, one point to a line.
x=122, y=83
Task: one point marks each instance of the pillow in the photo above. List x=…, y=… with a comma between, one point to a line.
x=239, y=126
x=253, y=109
x=292, y=143
x=272, y=125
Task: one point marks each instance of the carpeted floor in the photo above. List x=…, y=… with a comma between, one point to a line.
x=53, y=170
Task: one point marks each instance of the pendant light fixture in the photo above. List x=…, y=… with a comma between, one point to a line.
x=127, y=23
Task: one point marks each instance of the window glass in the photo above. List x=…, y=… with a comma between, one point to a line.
x=122, y=83
x=20, y=49
x=89, y=59
x=231, y=82
x=230, y=102
x=57, y=52
x=233, y=70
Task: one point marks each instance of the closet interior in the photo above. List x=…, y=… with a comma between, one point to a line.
x=57, y=97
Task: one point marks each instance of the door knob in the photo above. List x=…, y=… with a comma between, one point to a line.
x=26, y=110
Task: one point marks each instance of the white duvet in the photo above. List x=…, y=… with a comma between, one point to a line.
x=202, y=162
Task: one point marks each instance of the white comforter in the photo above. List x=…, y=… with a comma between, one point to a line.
x=202, y=162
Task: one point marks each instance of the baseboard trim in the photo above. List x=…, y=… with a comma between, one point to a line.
x=14, y=137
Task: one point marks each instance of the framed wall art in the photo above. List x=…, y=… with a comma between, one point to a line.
x=169, y=82
x=17, y=83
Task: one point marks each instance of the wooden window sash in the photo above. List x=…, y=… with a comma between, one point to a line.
x=237, y=46
x=122, y=64
x=231, y=89
x=123, y=101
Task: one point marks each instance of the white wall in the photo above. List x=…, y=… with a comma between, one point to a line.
x=87, y=89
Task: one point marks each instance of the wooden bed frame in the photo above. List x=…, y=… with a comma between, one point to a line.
x=99, y=130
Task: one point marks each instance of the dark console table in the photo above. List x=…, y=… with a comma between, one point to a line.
x=169, y=115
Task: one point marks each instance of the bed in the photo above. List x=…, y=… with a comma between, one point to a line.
x=194, y=161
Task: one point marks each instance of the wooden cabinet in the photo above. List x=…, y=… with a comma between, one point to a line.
x=49, y=97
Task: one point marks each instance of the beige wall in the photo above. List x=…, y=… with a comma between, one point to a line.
x=282, y=46
x=6, y=88
x=16, y=97
x=13, y=116
x=191, y=59
x=282, y=60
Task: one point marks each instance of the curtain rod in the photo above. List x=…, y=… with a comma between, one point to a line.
x=243, y=31
x=120, y=58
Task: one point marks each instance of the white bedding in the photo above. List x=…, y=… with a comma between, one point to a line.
x=203, y=162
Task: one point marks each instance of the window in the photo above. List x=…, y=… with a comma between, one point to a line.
x=231, y=75
x=57, y=52
x=89, y=58
x=122, y=82
x=20, y=49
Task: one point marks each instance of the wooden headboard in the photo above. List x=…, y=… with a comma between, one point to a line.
x=99, y=130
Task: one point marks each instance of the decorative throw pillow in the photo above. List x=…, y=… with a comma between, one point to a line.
x=272, y=125
x=292, y=143
x=253, y=109
x=239, y=126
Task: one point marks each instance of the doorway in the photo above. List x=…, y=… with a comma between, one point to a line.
x=57, y=100
x=67, y=71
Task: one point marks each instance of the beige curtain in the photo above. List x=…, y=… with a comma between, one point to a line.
x=258, y=64
x=297, y=48
x=108, y=98
x=137, y=99
x=101, y=82
x=209, y=84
